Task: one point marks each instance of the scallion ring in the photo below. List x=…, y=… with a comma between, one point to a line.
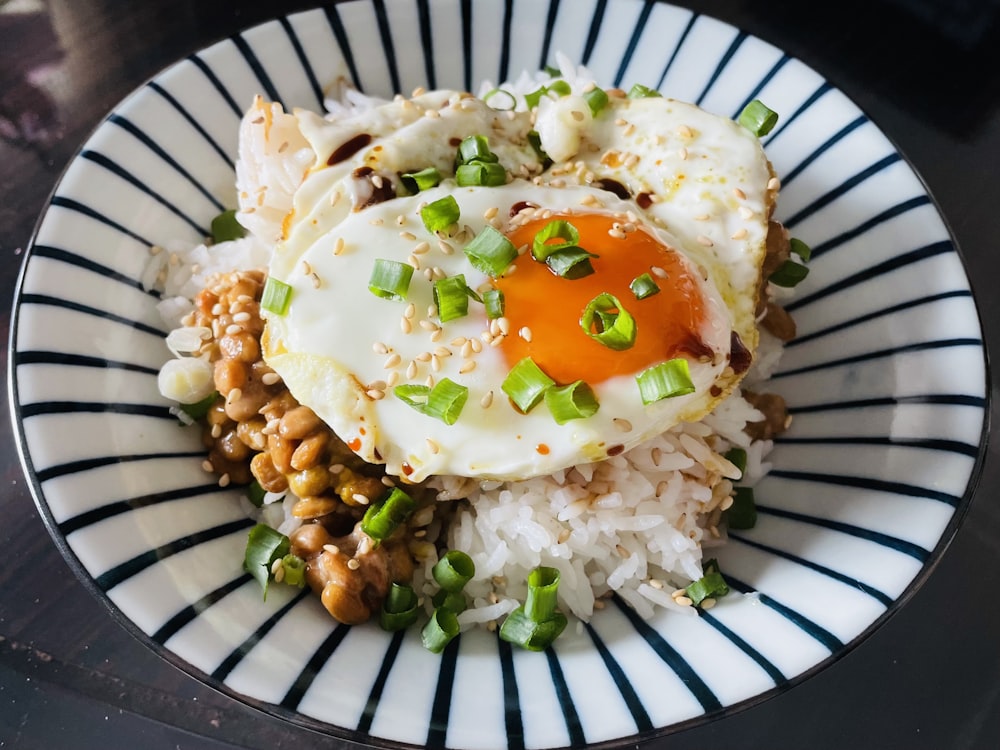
x=493, y=299
x=758, y=118
x=451, y=297
x=225, y=227
x=530, y=634
x=475, y=148
x=199, y=408
x=439, y=630
x=574, y=401
x=638, y=91
x=440, y=214
x=382, y=518
x=607, y=321
x=256, y=494
x=507, y=100
x=526, y=384
x=789, y=273
x=643, y=286
x=571, y=263
x=543, y=587
x=558, y=234
x=295, y=570
x=453, y=570
x=276, y=296
x=481, y=174
x=665, y=380
x=597, y=99
x=491, y=252
x=800, y=248
x=423, y=180
x=399, y=608
x=444, y=401
x=742, y=514
x=711, y=584
x=737, y=457
x=390, y=279
x=453, y=600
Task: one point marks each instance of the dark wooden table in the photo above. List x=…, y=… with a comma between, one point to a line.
x=926, y=71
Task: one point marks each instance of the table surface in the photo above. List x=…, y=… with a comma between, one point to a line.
x=926, y=71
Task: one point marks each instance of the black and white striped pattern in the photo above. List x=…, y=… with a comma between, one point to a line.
x=886, y=383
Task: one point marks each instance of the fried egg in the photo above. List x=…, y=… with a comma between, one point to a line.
x=652, y=187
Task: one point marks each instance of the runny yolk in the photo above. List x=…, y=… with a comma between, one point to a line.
x=667, y=323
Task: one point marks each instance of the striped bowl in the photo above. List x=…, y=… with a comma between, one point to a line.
x=867, y=488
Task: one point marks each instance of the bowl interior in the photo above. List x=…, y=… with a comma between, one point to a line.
x=866, y=489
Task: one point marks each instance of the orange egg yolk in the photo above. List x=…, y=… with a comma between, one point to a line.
x=550, y=307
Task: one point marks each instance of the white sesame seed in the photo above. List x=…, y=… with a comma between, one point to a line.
x=418, y=91
x=392, y=379
x=421, y=248
x=409, y=236
x=445, y=247
x=411, y=370
x=423, y=357
x=429, y=381
x=270, y=378
x=241, y=317
x=414, y=261
x=393, y=361
x=224, y=480
x=206, y=465
x=428, y=325
x=774, y=184
x=410, y=311
x=683, y=601
x=702, y=217
x=360, y=499
x=467, y=367
x=706, y=241
x=486, y=400
x=678, y=593
x=377, y=182
x=659, y=272
x=436, y=335
x=432, y=446
x=352, y=563
x=684, y=131
x=379, y=348
x=739, y=194
x=525, y=333
x=333, y=549
x=467, y=349
x=275, y=566
x=405, y=326
x=629, y=129
x=232, y=330
x=745, y=212
x=682, y=153
x=504, y=325
x=477, y=345
x=707, y=603
x=435, y=363
x=338, y=246
x=623, y=425
x=490, y=212
x=375, y=394
x=443, y=351
x=739, y=234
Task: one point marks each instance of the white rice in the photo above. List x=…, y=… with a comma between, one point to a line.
x=634, y=525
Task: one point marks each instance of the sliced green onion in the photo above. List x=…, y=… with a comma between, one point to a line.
x=508, y=101
x=574, y=401
x=439, y=630
x=390, y=279
x=264, y=546
x=534, y=97
x=494, y=301
x=444, y=401
x=276, y=296
x=532, y=635
x=552, y=71
x=643, y=286
x=561, y=88
x=801, y=249
x=738, y=458
x=475, y=148
x=440, y=214
x=451, y=297
x=711, y=584
x=572, y=263
x=597, y=99
x=256, y=493
x=526, y=384
x=536, y=143
x=564, y=234
x=199, y=409
x=638, y=91
x=416, y=181
x=453, y=570
x=742, y=514
x=606, y=321
x=789, y=273
x=758, y=118
x=665, y=380
x=225, y=227
x=381, y=519
x=295, y=570
x=543, y=586
x=490, y=251
x=399, y=608
x=453, y=600
x=481, y=174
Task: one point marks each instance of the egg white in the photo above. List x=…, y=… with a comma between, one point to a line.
x=337, y=341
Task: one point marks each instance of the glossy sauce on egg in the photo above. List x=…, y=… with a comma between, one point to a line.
x=550, y=307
